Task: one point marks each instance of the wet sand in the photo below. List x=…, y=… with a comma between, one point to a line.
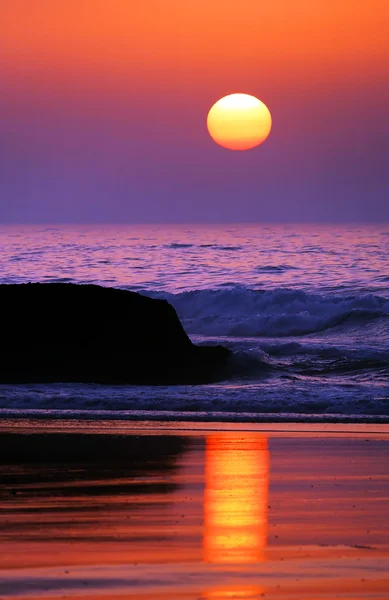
x=153, y=510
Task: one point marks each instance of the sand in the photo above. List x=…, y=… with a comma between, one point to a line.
x=184, y=511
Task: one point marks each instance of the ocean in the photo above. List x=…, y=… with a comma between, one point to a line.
x=304, y=308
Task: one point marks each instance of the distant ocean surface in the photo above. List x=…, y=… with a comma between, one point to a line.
x=305, y=310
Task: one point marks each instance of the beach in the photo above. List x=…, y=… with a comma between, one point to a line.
x=210, y=510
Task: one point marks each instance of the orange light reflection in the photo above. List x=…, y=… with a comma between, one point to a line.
x=236, y=498
x=249, y=592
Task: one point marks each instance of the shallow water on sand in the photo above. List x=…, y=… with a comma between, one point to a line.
x=94, y=510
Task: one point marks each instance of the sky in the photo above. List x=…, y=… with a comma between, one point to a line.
x=103, y=107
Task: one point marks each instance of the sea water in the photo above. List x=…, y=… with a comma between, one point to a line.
x=304, y=309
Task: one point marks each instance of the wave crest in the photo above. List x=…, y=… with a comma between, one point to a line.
x=243, y=312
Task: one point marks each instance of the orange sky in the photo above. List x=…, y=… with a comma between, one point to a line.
x=198, y=39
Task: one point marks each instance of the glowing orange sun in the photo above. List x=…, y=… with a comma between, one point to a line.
x=239, y=122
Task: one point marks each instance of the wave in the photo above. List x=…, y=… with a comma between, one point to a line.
x=260, y=361
x=275, y=268
x=243, y=312
x=177, y=246
x=382, y=278
x=301, y=396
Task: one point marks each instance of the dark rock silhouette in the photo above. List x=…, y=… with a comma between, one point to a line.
x=54, y=332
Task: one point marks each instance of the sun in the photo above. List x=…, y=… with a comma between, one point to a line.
x=239, y=122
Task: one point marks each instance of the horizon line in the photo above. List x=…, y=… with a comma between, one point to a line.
x=185, y=223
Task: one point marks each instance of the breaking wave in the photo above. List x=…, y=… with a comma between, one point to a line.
x=243, y=312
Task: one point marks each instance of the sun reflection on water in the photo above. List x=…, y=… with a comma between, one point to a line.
x=236, y=498
x=249, y=592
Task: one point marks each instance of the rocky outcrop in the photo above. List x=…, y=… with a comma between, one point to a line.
x=65, y=332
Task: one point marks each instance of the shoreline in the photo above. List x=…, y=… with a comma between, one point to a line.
x=146, y=427
x=23, y=425
x=193, y=417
